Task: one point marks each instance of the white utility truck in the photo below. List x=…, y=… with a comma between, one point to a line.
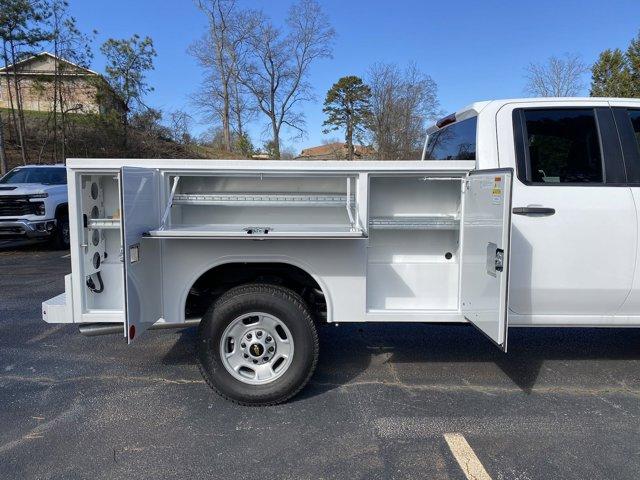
x=521, y=213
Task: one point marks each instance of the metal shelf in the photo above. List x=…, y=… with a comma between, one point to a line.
x=252, y=232
x=103, y=223
x=265, y=199
x=430, y=222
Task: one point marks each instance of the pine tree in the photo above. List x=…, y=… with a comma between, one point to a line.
x=347, y=106
x=633, y=62
x=128, y=61
x=610, y=75
x=617, y=73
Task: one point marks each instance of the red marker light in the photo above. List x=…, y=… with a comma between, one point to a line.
x=443, y=122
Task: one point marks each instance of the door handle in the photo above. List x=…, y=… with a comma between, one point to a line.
x=542, y=211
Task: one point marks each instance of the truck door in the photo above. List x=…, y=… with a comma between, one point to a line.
x=139, y=197
x=627, y=117
x=574, y=220
x=486, y=231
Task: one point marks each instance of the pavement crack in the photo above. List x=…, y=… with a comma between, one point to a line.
x=488, y=389
x=48, y=381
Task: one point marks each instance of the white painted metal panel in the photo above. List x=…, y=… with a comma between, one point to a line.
x=485, y=252
x=574, y=267
x=142, y=257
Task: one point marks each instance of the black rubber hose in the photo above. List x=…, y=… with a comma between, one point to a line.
x=92, y=286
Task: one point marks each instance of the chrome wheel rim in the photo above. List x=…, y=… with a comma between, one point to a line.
x=256, y=348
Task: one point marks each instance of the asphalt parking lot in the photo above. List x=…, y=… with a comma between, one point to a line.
x=387, y=401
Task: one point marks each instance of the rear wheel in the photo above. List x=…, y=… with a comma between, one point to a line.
x=258, y=345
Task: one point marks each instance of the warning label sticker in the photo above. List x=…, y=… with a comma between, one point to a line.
x=496, y=191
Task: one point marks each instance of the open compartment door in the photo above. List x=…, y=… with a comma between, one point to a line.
x=139, y=197
x=486, y=236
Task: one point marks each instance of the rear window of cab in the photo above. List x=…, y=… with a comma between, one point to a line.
x=456, y=141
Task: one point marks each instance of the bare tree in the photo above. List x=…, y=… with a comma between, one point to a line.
x=218, y=51
x=275, y=66
x=402, y=100
x=180, y=127
x=209, y=100
x=21, y=29
x=556, y=77
x=70, y=44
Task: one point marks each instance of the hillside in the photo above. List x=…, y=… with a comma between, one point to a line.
x=95, y=136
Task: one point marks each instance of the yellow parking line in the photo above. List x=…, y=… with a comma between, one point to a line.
x=466, y=457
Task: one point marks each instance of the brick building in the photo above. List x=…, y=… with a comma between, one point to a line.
x=83, y=90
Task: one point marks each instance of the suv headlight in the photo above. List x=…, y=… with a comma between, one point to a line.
x=39, y=195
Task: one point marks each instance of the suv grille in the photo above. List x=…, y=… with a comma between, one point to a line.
x=17, y=205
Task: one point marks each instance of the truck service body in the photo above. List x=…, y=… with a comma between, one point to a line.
x=522, y=213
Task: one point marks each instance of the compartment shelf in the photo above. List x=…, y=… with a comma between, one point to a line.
x=283, y=199
x=253, y=232
x=103, y=223
x=254, y=208
x=422, y=222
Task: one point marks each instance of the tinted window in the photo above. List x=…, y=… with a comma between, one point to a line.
x=454, y=142
x=49, y=176
x=562, y=146
x=634, y=115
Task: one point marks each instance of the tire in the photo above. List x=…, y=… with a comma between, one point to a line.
x=60, y=240
x=228, y=315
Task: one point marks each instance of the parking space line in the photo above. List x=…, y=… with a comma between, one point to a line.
x=466, y=457
x=66, y=256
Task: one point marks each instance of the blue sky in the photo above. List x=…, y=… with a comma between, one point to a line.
x=474, y=50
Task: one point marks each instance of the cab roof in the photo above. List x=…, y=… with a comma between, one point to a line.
x=475, y=108
x=57, y=165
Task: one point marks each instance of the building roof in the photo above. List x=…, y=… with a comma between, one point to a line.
x=40, y=65
x=39, y=58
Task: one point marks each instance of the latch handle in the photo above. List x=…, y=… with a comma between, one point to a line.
x=495, y=259
x=257, y=230
x=499, y=260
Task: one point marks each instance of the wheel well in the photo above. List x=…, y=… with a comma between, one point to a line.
x=62, y=210
x=216, y=281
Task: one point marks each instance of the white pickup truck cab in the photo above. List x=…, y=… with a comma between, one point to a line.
x=521, y=213
x=33, y=204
